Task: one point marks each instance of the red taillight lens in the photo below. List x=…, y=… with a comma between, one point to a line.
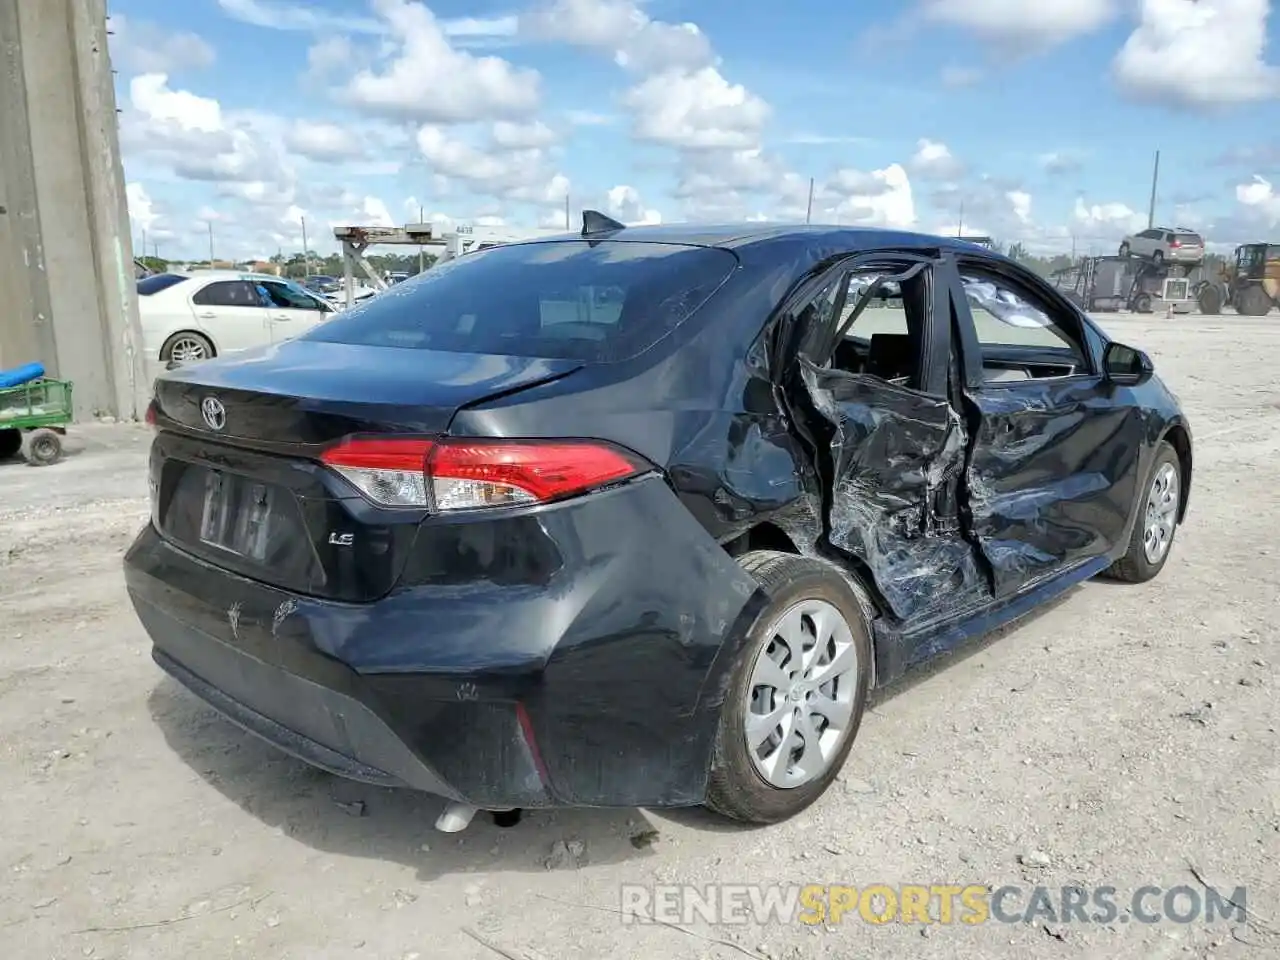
x=1175, y=243
x=150, y=415
x=456, y=474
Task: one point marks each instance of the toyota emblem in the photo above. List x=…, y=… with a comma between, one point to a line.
x=215, y=414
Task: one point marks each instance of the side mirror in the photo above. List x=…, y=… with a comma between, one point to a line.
x=1126, y=366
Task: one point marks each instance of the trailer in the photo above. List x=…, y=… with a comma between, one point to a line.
x=1127, y=283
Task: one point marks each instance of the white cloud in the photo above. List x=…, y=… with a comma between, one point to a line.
x=523, y=136
x=1020, y=203
x=933, y=160
x=142, y=212
x=1261, y=198
x=1057, y=162
x=150, y=94
x=511, y=173
x=1199, y=53
x=1017, y=24
x=697, y=110
x=1106, y=220
x=324, y=142
x=621, y=28
x=423, y=77
x=626, y=204
x=142, y=47
x=879, y=198
x=284, y=15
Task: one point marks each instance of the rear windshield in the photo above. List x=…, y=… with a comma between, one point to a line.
x=574, y=300
x=1187, y=237
x=161, y=281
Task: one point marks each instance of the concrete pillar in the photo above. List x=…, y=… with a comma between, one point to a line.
x=66, y=256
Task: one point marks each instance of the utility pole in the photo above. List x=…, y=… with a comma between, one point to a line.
x=421, y=265
x=210, y=223
x=144, y=243
x=1155, y=178
x=808, y=213
x=306, y=252
x=960, y=225
x=566, y=212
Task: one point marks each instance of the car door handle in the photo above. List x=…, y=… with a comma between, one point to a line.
x=281, y=316
x=207, y=316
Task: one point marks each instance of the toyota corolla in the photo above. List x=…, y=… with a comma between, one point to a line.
x=637, y=517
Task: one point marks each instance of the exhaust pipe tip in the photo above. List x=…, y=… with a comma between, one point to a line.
x=456, y=818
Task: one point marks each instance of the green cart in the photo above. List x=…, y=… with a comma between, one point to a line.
x=34, y=416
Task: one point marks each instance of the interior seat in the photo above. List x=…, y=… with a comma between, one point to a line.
x=891, y=356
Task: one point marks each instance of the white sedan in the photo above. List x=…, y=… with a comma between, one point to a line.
x=209, y=313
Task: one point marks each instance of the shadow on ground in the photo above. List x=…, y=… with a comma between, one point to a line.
x=353, y=819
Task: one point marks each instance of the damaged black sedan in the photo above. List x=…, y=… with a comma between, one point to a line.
x=637, y=517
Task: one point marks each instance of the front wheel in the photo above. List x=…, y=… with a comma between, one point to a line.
x=1124, y=250
x=1157, y=522
x=797, y=693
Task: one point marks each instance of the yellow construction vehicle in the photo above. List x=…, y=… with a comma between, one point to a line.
x=1249, y=282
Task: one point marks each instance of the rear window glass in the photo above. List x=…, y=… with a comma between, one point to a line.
x=161, y=281
x=572, y=300
x=1187, y=237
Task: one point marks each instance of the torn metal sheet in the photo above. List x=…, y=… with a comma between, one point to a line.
x=897, y=458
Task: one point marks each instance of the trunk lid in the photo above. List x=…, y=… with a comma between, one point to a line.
x=234, y=472
x=305, y=392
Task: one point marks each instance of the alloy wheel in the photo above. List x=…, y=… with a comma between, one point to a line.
x=802, y=695
x=188, y=350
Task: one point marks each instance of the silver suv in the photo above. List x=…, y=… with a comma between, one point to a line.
x=1161, y=244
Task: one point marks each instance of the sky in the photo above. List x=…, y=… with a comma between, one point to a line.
x=1033, y=121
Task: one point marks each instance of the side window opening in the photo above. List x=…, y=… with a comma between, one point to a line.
x=1008, y=322
x=228, y=293
x=883, y=325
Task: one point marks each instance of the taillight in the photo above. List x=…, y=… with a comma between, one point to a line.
x=467, y=474
x=150, y=415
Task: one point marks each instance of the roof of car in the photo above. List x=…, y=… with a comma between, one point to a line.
x=226, y=275
x=742, y=234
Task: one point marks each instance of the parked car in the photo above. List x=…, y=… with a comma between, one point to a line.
x=502, y=540
x=322, y=284
x=1165, y=245
x=209, y=313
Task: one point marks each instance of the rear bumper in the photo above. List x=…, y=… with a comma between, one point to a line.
x=601, y=687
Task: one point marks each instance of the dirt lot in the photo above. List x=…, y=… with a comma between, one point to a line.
x=1117, y=738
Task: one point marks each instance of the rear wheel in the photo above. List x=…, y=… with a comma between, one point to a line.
x=10, y=443
x=1142, y=303
x=797, y=693
x=1158, y=257
x=43, y=447
x=186, y=347
x=1157, y=522
x=1124, y=250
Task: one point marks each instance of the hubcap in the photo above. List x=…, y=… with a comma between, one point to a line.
x=802, y=695
x=1162, y=513
x=187, y=350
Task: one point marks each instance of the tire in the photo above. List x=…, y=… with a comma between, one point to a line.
x=1137, y=566
x=1124, y=250
x=1209, y=300
x=1253, y=302
x=10, y=443
x=1157, y=258
x=43, y=448
x=1142, y=303
x=187, y=343
x=737, y=786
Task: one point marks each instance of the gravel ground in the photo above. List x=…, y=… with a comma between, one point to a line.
x=1120, y=737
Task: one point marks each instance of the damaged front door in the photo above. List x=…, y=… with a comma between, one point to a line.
x=873, y=364
x=1054, y=458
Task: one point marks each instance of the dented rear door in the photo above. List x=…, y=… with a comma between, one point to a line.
x=1053, y=461
x=893, y=454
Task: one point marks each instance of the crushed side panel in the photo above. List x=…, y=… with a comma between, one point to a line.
x=897, y=459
